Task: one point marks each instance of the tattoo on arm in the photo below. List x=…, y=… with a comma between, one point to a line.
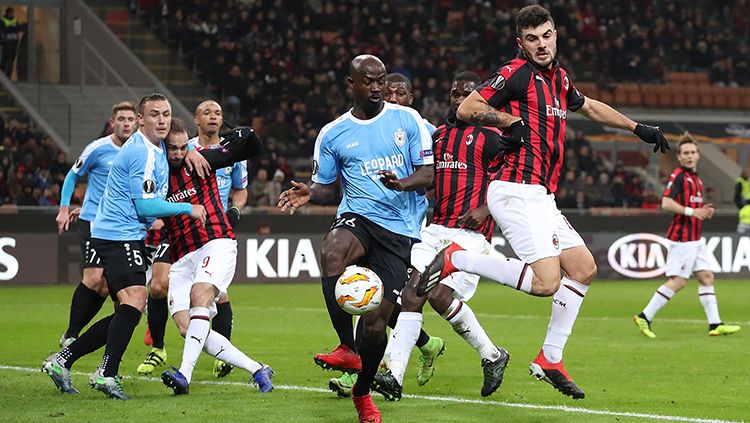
x=491, y=117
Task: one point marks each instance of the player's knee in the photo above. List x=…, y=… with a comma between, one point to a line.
x=440, y=299
x=93, y=279
x=587, y=274
x=333, y=261
x=158, y=289
x=545, y=286
x=706, y=279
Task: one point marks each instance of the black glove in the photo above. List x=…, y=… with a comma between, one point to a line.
x=652, y=135
x=519, y=132
x=238, y=134
x=233, y=215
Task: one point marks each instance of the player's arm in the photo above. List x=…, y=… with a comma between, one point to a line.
x=477, y=111
x=63, y=215
x=300, y=194
x=606, y=115
x=238, y=195
x=239, y=144
x=423, y=177
x=702, y=213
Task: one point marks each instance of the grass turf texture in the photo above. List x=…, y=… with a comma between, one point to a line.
x=683, y=372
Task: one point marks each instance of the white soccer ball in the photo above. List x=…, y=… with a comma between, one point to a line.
x=359, y=290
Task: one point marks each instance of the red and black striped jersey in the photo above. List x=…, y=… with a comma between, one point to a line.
x=183, y=232
x=686, y=188
x=542, y=98
x=154, y=237
x=465, y=156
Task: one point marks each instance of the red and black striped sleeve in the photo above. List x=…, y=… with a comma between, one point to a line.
x=510, y=82
x=493, y=146
x=675, y=186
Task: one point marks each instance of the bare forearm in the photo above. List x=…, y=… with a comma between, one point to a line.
x=239, y=198
x=422, y=178
x=322, y=194
x=671, y=206
x=478, y=112
x=606, y=115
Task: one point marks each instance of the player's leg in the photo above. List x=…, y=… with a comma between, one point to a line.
x=222, y=324
x=87, y=298
x=707, y=296
x=158, y=313
x=341, y=247
x=451, y=306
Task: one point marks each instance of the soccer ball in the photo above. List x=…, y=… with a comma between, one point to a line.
x=359, y=290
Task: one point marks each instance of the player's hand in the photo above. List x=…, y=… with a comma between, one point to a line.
x=710, y=209
x=474, y=218
x=390, y=180
x=233, y=215
x=237, y=135
x=295, y=197
x=157, y=225
x=702, y=213
x=199, y=213
x=652, y=135
x=519, y=132
x=74, y=215
x=194, y=161
x=62, y=220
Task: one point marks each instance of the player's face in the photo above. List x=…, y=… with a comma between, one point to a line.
x=398, y=93
x=539, y=44
x=459, y=91
x=177, y=145
x=209, y=119
x=156, y=119
x=123, y=124
x=367, y=86
x=688, y=156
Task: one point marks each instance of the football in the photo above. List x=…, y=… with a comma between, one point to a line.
x=359, y=290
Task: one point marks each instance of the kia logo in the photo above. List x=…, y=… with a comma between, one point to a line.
x=639, y=256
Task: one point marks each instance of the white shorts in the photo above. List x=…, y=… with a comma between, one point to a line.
x=530, y=220
x=435, y=238
x=213, y=263
x=684, y=258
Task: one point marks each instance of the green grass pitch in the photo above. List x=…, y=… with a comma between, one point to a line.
x=683, y=373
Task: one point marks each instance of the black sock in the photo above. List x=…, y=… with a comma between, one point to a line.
x=91, y=340
x=713, y=326
x=371, y=354
x=158, y=314
x=222, y=322
x=83, y=307
x=423, y=338
x=120, y=331
x=643, y=316
x=341, y=320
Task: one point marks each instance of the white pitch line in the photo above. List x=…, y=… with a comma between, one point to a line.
x=505, y=316
x=457, y=400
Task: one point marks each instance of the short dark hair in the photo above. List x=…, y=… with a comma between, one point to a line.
x=685, y=138
x=399, y=77
x=531, y=17
x=178, y=126
x=123, y=105
x=468, y=76
x=150, y=97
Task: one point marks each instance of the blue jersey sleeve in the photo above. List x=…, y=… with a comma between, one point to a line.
x=420, y=140
x=325, y=164
x=85, y=161
x=239, y=175
x=141, y=163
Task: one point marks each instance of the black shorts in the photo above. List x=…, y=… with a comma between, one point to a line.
x=159, y=253
x=89, y=257
x=124, y=263
x=386, y=253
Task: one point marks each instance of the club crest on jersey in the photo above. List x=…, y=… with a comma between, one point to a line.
x=566, y=82
x=400, y=137
x=499, y=83
x=469, y=139
x=149, y=186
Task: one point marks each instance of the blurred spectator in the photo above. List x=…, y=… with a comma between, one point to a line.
x=259, y=190
x=276, y=186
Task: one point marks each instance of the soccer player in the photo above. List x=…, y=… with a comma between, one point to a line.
x=398, y=90
x=535, y=95
x=133, y=198
x=204, y=257
x=687, y=251
x=465, y=153
x=95, y=161
x=382, y=152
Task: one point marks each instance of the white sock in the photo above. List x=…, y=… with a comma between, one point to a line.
x=708, y=298
x=220, y=347
x=565, y=306
x=465, y=323
x=403, y=338
x=506, y=271
x=195, y=337
x=659, y=300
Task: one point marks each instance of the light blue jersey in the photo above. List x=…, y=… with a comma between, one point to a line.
x=140, y=171
x=227, y=178
x=422, y=203
x=396, y=140
x=95, y=161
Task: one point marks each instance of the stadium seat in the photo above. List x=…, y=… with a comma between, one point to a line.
x=650, y=94
x=719, y=97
